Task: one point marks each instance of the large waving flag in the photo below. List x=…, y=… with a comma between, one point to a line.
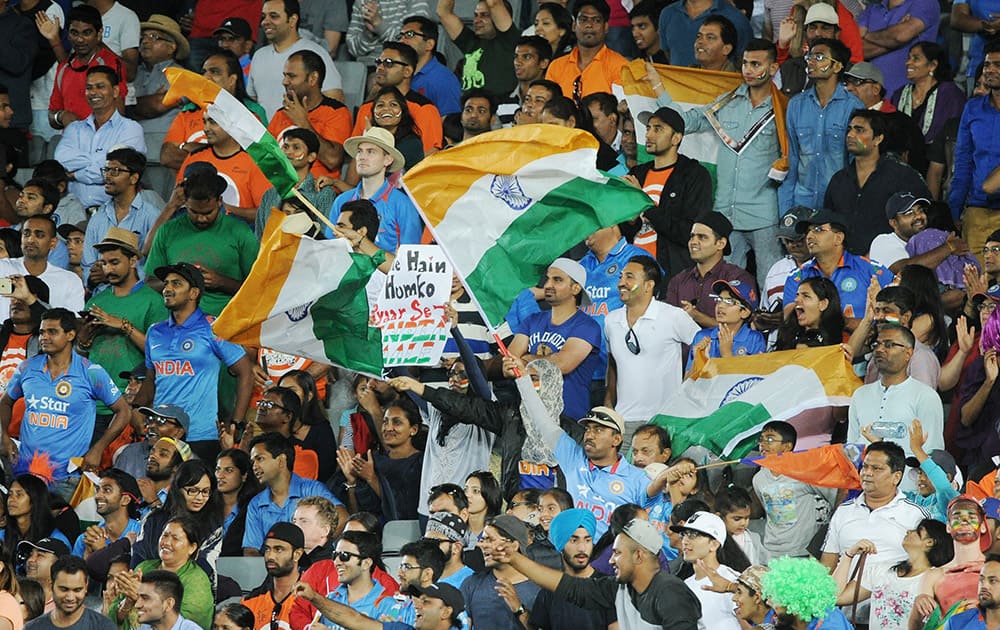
x=505, y=204
x=306, y=298
x=694, y=87
x=827, y=466
x=238, y=121
x=728, y=400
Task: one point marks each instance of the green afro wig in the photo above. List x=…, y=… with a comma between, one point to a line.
x=802, y=586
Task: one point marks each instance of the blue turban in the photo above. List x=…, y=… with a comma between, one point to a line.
x=567, y=522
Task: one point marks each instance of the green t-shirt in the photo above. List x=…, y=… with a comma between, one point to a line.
x=228, y=248
x=112, y=350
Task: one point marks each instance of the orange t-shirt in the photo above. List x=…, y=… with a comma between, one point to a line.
x=279, y=364
x=331, y=121
x=12, y=356
x=266, y=613
x=246, y=184
x=427, y=117
x=188, y=126
x=653, y=185
x=604, y=70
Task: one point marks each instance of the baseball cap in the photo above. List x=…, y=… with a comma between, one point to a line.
x=513, y=528
x=821, y=217
x=138, y=372
x=940, y=457
x=451, y=596
x=287, y=532
x=644, y=533
x=993, y=293
x=752, y=578
x=120, y=237
x=37, y=287
x=786, y=226
x=901, y=202
x=706, y=523
x=719, y=224
x=182, y=447
x=668, y=115
x=185, y=270
x=866, y=71
x=605, y=416
x=448, y=524
x=48, y=545
x=822, y=12
x=66, y=229
x=740, y=290
x=169, y=411
x=200, y=168
x=575, y=271
x=238, y=27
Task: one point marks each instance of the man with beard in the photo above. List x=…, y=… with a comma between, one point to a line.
x=422, y=565
x=572, y=534
x=907, y=216
x=478, y=111
x=69, y=589
x=960, y=578
x=117, y=498
x=164, y=458
x=987, y=614
x=117, y=318
x=272, y=601
x=164, y=421
x=641, y=594
x=490, y=595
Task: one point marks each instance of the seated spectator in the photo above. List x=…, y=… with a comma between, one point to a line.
x=928, y=324
x=864, y=80
x=164, y=421
x=161, y=594
x=907, y=216
x=644, y=18
x=373, y=24
x=320, y=523
x=272, y=601
x=539, y=93
x=479, y=110
x=237, y=485
x=988, y=596
x=178, y=547
x=70, y=579
x=390, y=111
x=235, y=35
x=69, y=210
x=482, y=492
x=38, y=240
x=563, y=112
x=531, y=58
x=886, y=35
x=38, y=197
x=431, y=78
x=355, y=558
x=802, y=593
x=978, y=397
x=488, y=46
x=165, y=458
x=69, y=102
x=734, y=306
x=551, y=503
x=929, y=96
x=280, y=411
x=86, y=142
x=38, y=558
x=554, y=23
x=603, y=110
x=313, y=431
x=162, y=46
x=715, y=44
x=733, y=506
x=591, y=66
x=600, y=556
x=117, y=498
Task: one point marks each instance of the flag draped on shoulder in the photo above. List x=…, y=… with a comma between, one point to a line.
x=238, y=121
x=694, y=87
x=507, y=203
x=726, y=402
x=306, y=298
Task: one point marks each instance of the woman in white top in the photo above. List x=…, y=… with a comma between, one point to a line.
x=710, y=554
x=893, y=587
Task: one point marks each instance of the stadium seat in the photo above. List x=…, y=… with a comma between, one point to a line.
x=353, y=77
x=395, y=534
x=248, y=571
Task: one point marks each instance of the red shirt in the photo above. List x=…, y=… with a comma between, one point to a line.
x=71, y=82
x=209, y=15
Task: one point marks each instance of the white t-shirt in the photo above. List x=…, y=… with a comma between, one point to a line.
x=887, y=249
x=267, y=68
x=41, y=88
x=65, y=287
x=661, y=331
x=121, y=32
x=716, y=608
x=892, y=596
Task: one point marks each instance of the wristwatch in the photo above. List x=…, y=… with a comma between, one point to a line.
x=520, y=611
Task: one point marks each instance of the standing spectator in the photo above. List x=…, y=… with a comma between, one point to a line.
x=121, y=33
x=431, y=78
x=817, y=122
x=18, y=49
x=488, y=594
x=69, y=587
x=325, y=21
x=206, y=18
x=715, y=44
x=532, y=56
x=680, y=22
x=930, y=97
x=488, y=46
x=186, y=371
x=887, y=29
x=645, y=336
x=162, y=47
x=373, y=24
x=46, y=14
x=976, y=156
x=591, y=66
x=85, y=143
x=19, y=333
x=665, y=230
x=280, y=22
x=645, y=21
x=235, y=36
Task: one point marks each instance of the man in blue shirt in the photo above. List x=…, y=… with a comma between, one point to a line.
x=430, y=78
x=117, y=498
x=977, y=154
x=355, y=558
x=85, y=143
x=817, y=125
x=678, y=29
x=987, y=613
x=185, y=356
x=272, y=457
x=61, y=390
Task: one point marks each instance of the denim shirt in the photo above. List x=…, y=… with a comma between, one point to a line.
x=977, y=153
x=816, y=147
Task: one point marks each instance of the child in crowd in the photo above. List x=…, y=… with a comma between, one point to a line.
x=936, y=472
x=733, y=505
x=734, y=306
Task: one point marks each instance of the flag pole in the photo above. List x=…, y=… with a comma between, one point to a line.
x=718, y=464
x=308, y=204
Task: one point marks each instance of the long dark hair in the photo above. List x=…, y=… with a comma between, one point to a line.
x=490, y=489
x=188, y=474
x=564, y=20
x=312, y=408
x=924, y=284
x=728, y=553
x=250, y=487
x=407, y=125
x=935, y=52
x=41, y=522
x=941, y=552
x=831, y=321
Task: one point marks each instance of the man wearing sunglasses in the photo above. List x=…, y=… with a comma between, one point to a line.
x=162, y=421
x=430, y=78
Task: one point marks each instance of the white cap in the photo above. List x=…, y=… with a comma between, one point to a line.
x=706, y=523
x=822, y=12
x=577, y=273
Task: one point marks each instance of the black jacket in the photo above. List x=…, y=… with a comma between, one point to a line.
x=687, y=194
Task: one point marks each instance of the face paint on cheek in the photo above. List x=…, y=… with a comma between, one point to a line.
x=891, y=318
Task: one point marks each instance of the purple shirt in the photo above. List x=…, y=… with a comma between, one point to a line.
x=878, y=17
x=688, y=285
x=980, y=439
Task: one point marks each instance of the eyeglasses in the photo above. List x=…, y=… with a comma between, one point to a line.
x=160, y=420
x=453, y=492
x=855, y=80
x=411, y=35
x=345, y=556
x=887, y=345
x=114, y=171
x=987, y=306
x=728, y=301
x=632, y=341
x=991, y=249
x=389, y=63
x=599, y=416
x=784, y=240
x=909, y=212
x=817, y=57
x=819, y=229
x=690, y=533
x=193, y=492
x=406, y=566
x=155, y=37
x=267, y=405
x=225, y=39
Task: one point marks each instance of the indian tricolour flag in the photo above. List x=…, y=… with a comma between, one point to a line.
x=306, y=298
x=238, y=121
x=505, y=204
x=723, y=406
